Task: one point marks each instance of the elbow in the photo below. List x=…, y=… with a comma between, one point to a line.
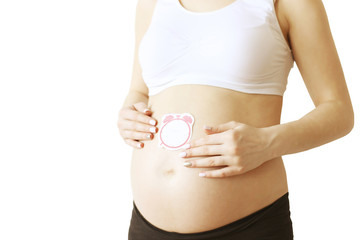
x=348, y=120
x=351, y=122
x=343, y=114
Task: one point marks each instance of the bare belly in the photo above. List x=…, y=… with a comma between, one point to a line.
x=173, y=197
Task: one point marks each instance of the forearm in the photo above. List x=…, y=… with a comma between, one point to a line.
x=134, y=97
x=327, y=122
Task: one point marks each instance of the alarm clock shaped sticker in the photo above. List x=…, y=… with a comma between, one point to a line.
x=176, y=130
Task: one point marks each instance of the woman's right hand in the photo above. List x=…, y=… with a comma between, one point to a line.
x=135, y=124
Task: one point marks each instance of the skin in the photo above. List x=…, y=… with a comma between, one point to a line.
x=242, y=152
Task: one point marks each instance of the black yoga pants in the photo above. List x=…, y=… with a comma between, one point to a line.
x=272, y=222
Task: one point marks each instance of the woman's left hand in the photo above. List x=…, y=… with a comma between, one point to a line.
x=236, y=146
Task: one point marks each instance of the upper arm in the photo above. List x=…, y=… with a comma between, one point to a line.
x=144, y=9
x=314, y=51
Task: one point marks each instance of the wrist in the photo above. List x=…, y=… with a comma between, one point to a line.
x=274, y=147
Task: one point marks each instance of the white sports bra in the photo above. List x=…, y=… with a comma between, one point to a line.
x=239, y=47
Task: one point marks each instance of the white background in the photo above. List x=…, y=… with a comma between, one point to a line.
x=65, y=69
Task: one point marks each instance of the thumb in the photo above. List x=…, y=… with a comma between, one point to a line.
x=142, y=107
x=221, y=127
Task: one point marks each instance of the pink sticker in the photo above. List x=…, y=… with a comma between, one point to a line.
x=176, y=130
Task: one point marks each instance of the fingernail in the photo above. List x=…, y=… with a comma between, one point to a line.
x=146, y=110
x=152, y=122
x=207, y=127
x=148, y=136
x=202, y=174
x=139, y=145
x=187, y=164
x=182, y=154
x=153, y=129
x=187, y=146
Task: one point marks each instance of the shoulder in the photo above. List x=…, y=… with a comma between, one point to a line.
x=296, y=10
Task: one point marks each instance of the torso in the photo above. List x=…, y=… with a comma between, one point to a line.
x=173, y=197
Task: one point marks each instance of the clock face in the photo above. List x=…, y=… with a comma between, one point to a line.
x=176, y=130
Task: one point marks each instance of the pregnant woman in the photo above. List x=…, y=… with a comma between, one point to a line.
x=224, y=64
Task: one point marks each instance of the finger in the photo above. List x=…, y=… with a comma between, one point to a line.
x=128, y=134
x=208, y=162
x=208, y=139
x=205, y=150
x=223, y=127
x=134, y=143
x=221, y=173
x=136, y=126
x=134, y=115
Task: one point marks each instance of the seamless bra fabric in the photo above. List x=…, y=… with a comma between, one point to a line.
x=239, y=47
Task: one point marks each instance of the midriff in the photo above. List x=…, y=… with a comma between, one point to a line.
x=173, y=197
